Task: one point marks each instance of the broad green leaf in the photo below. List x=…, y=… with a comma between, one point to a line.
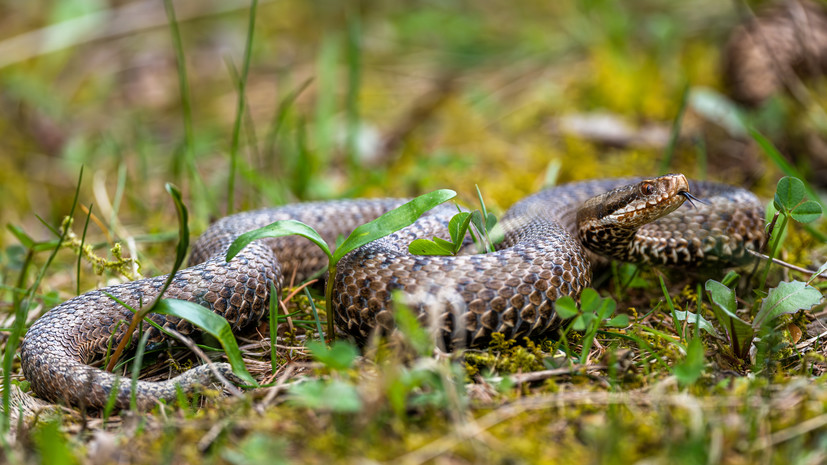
x=692, y=318
x=427, y=247
x=490, y=221
x=458, y=226
x=620, y=321
x=723, y=305
x=589, y=300
x=582, y=321
x=448, y=245
x=607, y=308
x=721, y=296
x=566, y=307
x=392, y=221
x=789, y=192
x=278, y=229
x=213, y=324
x=339, y=357
x=807, y=212
x=788, y=297
x=692, y=367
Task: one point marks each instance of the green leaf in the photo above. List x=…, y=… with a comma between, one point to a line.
x=807, y=212
x=490, y=221
x=723, y=305
x=692, y=318
x=410, y=328
x=428, y=247
x=692, y=367
x=607, y=308
x=589, y=300
x=566, y=307
x=788, y=297
x=336, y=396
x=339, y=357
x=447, y=245
x=582, y=321
x=721, y=296
x=211, y=323
x=620, y=321
x=458, y=226
x=789, y=192
x=476, y=218
x=278, y=229
x=392, y=221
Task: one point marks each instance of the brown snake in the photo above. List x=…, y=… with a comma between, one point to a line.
x=466, y=298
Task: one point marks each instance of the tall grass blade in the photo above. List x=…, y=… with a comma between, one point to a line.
x=240, y=107
x=21, y=315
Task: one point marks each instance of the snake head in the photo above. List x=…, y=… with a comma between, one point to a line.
x=607, y=222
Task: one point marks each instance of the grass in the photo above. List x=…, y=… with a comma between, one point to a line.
x=393, y=99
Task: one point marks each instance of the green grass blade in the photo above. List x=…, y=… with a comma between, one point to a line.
x=21, y=314
x=278, y=229
x=392, y=221
x=183, y=235
x=315, y=313
x=136, y=371
x=80, y=250
x=779, y=160
x=240, y=106
x=274, y=318
x=212, y=323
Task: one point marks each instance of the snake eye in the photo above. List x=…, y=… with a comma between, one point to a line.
x=647, y=188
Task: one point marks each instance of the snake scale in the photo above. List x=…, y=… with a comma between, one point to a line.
x=466, y=298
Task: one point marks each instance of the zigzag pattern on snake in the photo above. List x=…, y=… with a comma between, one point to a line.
x=466, y=297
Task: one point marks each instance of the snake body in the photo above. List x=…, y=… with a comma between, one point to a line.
x=464, y=299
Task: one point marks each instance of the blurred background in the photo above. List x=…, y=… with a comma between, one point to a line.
x=361, y=98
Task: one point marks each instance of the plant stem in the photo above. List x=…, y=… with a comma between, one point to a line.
x=328, y=299
x=776, y=241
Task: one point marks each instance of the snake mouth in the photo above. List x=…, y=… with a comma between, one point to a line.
x=637, y=204
x=692, y=199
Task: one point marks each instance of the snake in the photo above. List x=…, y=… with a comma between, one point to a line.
x=551, y=239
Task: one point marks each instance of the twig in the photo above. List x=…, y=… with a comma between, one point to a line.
x=799, y=269
x=200, y=353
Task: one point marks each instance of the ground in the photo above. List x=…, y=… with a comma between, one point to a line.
x=378, y=98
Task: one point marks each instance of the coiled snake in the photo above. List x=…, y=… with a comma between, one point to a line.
x=467, y=297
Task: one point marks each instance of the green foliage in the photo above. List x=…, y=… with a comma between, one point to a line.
x=214, y=325
x=52, y=445
x=338, y=357
x=410, y=329
x=506, y=356
x=334, y=395
x=257, y=449
x=21, y=307
x=595, y=312
x=787, y=298
x=386, y=224
x=483, y=220
x=692, y=367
